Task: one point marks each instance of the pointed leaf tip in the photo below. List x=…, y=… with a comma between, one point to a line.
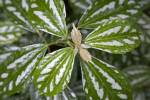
x=76, y=36
x=55, y=71
x=102, y=81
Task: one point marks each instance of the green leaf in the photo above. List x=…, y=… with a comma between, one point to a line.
x=144, y=26
x=16, y=72
x=54, y=72
x=138, y=94
x=48, y=16
x=9, y=33
x=67, y=94
x=80, y=6
x=114, y=36
x=101, y=11
x=102, y=81
x=6, y=51
x=138, y=75
x=16, y=11
x=78, y=90
x=145, y=4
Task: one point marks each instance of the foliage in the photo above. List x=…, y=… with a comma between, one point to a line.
x=42, y=56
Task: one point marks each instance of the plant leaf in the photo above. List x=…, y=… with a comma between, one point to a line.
x=54, y=72
x=16, y=72
x=9, y=33
x=102, y=81
x=101, y=11
x=114, y=36
x=144, y=26
x=138, y=94
x=138, y=75
x=49, y=16
x=145, y=4
x=16, y=11
x=67, y=94
x=6, y=51
x=80, y=5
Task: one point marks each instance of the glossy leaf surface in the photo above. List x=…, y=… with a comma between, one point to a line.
x=114, y=36
x=16, y=11
x=102, y=81
x=49, y=16
x=80, y=6
x=138, y=75
x=54, y=72
x=66, y=94
x=144, y=26
x=9, y=33
x=16, y=73
x=101, y=11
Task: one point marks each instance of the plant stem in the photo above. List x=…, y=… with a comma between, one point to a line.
x=63, y=42
x=43, y=40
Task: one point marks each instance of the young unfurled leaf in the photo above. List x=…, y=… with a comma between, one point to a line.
x=16, y=72
x=144, y=26
x=114, y=36
x=49, y=16
x=16, y=11
x=54, y=72
x=102, y=10
x=102, y=81
x=138, y=75
x=80, y=6
x=9, y=33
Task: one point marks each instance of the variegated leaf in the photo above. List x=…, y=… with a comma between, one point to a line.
x=1, y=3
x=138, y=75
x=102, y=81
x=9, y=33
x=114, y=36
x=101, y=11
x=49, y=16
x=144, y=26
x=66, y=94
x=144, y=3
x=16, y=72
x=6, y=51
x=54, y=72
x=78, y=90
x=80, y=5
x=16, y=11
x=138, y=94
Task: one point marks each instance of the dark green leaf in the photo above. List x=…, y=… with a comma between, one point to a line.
x=54, y=72
x=9, y=33
x=138, y=94
x=102, y=81
x=6, y=51
x=114, y=36
x=80, y=6
x=67, y=94
x=144, y=26
x=102, y=10
x=144, y=3
x=138, y=75
x=49, y=16
x=16, y=72
x=16, y=11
